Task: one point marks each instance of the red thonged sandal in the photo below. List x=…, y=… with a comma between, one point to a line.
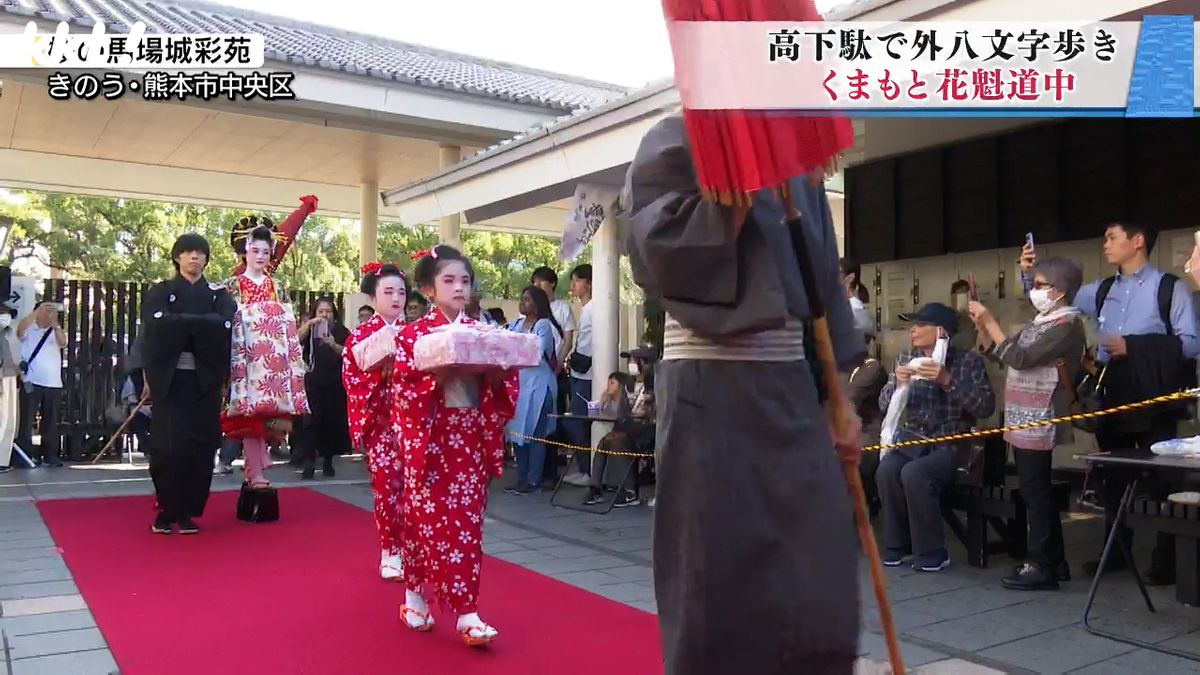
x=423, y=621
x=478, y=636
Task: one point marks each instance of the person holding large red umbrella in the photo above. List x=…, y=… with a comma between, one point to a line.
x=755, y=558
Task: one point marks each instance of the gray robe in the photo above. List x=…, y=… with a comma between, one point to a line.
x=755, y=555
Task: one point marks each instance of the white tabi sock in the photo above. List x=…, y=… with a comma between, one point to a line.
x=415, y=602
x=472, y=620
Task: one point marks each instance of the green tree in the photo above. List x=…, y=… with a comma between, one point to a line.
x=130, y=240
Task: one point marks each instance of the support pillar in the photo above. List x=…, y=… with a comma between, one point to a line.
x=368, y=234
x=449, y=226
x=606, y=304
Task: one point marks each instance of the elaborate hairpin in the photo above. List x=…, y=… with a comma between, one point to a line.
x=376, y=268
x=431, y=253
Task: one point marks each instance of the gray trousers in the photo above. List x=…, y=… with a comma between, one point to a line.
x=755, y=555
x=910, y=483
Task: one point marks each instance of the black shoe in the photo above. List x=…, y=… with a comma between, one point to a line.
x=1116, y=563
x=54, y=464
x=308, y=474
x=5, y=469
x=161, y=525
x=328, y=471
x=514, y=489
x=186, y=526
x=1159, y=575
x=1030, y=577
x=594, y=497
x=1063, y=573
x=628, y=498
x=528, y=490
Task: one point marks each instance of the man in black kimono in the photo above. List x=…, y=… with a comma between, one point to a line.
x=755, y=558
x=187, y=323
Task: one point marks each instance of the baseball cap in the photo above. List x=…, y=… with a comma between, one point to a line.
x=934, y=314
x=643, y=353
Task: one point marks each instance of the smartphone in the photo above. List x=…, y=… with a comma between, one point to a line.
x=321, y=330
x=972, y=291
x=1029, y=240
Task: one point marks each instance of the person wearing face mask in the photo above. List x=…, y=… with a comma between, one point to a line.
x=943, y=399
x=1033, y=392
x=9, y=370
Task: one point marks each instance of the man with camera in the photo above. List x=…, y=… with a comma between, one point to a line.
x=42, y=341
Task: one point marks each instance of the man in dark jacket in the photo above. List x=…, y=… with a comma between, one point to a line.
x=187, y=323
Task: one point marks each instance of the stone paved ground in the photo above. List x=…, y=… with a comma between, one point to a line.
x=959, y=621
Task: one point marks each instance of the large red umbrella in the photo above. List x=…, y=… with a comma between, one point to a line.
x=739, y=152
x=287, y=232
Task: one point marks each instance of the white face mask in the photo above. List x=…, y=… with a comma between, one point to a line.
x=5, y=320
x=1042, y=302
x=634, y=369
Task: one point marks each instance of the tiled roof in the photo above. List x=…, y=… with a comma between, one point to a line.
x=307, y=44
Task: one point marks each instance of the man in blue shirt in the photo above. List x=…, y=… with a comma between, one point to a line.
x=1136, y=345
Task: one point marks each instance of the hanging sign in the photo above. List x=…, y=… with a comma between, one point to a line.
x=591, y=205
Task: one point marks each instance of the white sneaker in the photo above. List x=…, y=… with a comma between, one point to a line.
x=651, y=502
x=391, y=567
x=578, y=478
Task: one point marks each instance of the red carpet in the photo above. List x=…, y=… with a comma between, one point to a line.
x=303, y=596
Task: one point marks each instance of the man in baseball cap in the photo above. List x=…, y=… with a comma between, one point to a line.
x=934, y=314
x=943, y=399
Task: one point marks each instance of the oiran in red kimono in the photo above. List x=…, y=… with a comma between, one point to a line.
x=368, y=363
x=266, y=385
x=451, y=428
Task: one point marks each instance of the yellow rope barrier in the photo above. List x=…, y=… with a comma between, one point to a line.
x=1127, y=407
x=581, y=448
x=982, y=433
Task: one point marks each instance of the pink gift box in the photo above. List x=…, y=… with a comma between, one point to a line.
x=475, y=347
x=377, y=351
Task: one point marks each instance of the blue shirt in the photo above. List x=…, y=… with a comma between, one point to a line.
x=1131, y=308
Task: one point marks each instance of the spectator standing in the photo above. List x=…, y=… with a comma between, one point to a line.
x=547, y=280
x=1149, y=334
x=42, y=341
x=10, y=403
x=579, y=367
x=532, y=422
x=1033, y=392
x=325, y=431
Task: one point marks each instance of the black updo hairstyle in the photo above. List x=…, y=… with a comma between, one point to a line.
x=370, y=280
x=430, y=265
x=259, y=228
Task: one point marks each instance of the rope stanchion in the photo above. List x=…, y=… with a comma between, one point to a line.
x=983, y=433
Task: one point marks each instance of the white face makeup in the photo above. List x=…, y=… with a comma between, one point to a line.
x=258, y=255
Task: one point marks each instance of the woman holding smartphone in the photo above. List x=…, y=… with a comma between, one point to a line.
x=325, y=431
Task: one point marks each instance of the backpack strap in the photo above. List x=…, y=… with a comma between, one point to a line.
x=1166, y=292
x=1102, y=294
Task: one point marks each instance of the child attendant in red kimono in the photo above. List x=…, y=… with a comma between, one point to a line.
x=370, y=397
x=267, y=373
x=453, y=446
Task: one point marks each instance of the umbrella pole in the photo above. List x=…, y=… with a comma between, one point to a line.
x=862, y=518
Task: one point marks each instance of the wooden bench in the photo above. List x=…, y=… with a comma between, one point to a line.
x=1000, y=507
x=1183, y=521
